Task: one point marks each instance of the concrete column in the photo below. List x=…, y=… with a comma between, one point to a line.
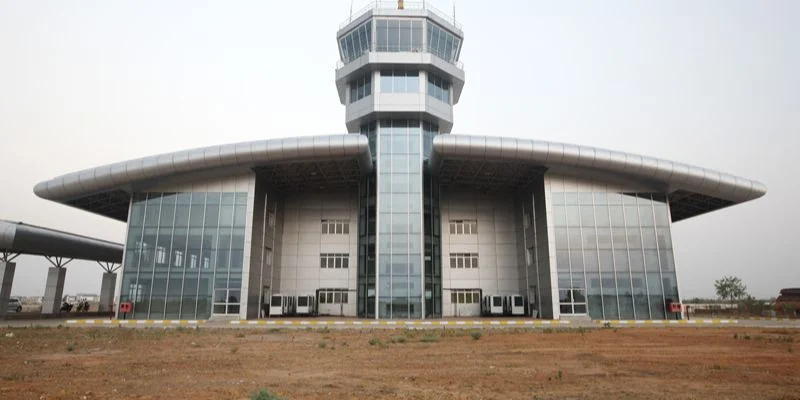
x=6, y=279
x=107, y=287
x=54, y=290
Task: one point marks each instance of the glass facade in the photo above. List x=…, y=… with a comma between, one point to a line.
x=442, y=43
x=399, y=81
x=400, y=218
x=438, y=88
x=184, y=255
x=361, y=87
x=397, y=35
x=614, y=254
x=356, y=42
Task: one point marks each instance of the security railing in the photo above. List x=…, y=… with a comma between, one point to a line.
x=408, y=5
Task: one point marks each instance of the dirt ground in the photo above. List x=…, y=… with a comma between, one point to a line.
x=653, y=363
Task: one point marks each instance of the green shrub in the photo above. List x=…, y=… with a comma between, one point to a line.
x=322, y=344
x=264, y=394
x=429, y=338
x=398, y=339
x=476, y=335
x=70, y=347
x=375, y=341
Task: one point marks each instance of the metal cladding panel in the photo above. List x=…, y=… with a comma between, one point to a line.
x=633, y=163
x=572, y=155
x=118, y=176
x=493, y=147
x=727, y=185
x=7, y=232
x=322, y=147
x=336, y=146
x=555, y=152
x=672, y=175
x=649, y=167
x=586, y=157
x=211, y=157
x=227, y=154
x=509, y=148
x=617, y=162
x=680, y=172
x=602, y=159
x=102, y=174
x=244, y=152
x=72, y=180
x=165, y=163
x=22, y=238
x=539, y=150
x=149, y=167
x=115, y=176
x=695, y=176
x=664, y=170
x=85, y=179
x=180, y=161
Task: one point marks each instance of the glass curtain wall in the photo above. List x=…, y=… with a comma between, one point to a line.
x=398, y=35
x=356, y=42
x=184, y=255
x=614, y=255
x=399, y=238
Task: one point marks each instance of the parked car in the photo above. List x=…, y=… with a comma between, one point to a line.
x=14, y=305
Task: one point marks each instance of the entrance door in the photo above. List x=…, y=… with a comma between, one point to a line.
x=467, y=302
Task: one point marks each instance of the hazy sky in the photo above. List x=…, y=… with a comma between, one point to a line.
x=711, y=83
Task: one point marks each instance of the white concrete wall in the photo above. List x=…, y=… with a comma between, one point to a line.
x=303, y=241
x=495, y=243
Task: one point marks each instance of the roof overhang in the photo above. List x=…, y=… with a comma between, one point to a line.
x=17, y=237
x=106, y=190
x=693, y=190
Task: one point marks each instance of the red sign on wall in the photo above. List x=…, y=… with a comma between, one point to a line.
x=125, y=307
x=674, y=307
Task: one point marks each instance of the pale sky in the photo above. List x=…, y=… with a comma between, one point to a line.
x=710, y=83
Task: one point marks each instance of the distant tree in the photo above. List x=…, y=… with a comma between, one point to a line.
x=730, y=288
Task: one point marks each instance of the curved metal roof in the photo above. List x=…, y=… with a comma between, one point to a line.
x=17, y=237
x=105, y=190
x=694, y=190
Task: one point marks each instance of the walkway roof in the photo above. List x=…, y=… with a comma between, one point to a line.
x=17, y=237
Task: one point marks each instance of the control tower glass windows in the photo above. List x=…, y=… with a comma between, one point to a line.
x=438, y=88
x=396, y=81
x=356, y=42
x=361, y=87
x=442, y=43
x=398, y=35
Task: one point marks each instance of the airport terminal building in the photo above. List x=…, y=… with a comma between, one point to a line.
x=398, y=218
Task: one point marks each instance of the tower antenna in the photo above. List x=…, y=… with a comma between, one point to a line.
x=454, y=10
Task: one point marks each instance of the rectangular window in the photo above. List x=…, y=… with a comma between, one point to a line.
x=442, y=43
x=465, y=296
x=361, y=87
x=399, y=81
x=356, y=42
x=333, y=296
x=334, y=260
x=335, y=226
x=463, y=227
x=438, y=88
x=463, y=260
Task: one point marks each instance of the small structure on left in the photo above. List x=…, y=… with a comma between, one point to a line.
x=59, y=248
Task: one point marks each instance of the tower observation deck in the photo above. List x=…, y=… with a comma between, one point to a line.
x=399, y=76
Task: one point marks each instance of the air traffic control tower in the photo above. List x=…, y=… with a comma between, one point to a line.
x=399, y=78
